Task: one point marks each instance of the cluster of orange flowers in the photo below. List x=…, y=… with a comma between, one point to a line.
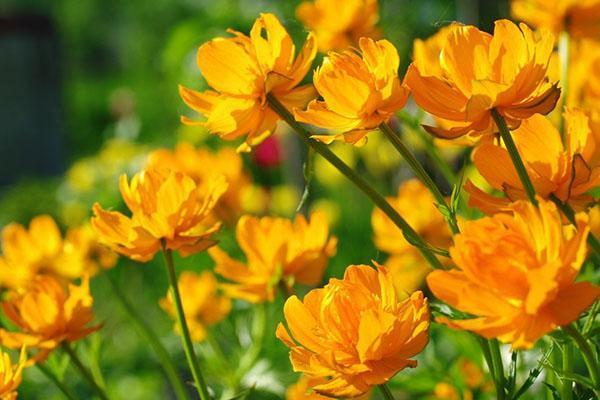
x=512, y=275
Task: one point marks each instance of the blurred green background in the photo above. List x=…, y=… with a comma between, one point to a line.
x=87, y=87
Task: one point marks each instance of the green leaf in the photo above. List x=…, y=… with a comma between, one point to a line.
x=244, y=394
x=555, y=394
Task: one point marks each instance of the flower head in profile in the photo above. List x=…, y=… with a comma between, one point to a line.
x=46, y=315
x=581, y=18
x=566, y=171
x=516, y=274
x=167, y=209
x=359, y=90
x=193, y=162
x=40, y=249
x=302, y=389
x=202, y=305
x=278, y=251
x=11, y=374
x=242, y=70
x=477, y=72
x=339, y=24
x=356, y=332
x=405, y=264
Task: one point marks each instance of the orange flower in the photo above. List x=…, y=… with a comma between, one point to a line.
x=356, y=332
x=167, y=207
x=580, y=18
x=242, y=70
x=565, y=171
x=46, y=315
x=476, y=72
x=11, y=375
x=302, y=390
x=277, y=251
x=202, y=305
x=41, y=249
x=193, y=162
x=516, y=274
x=360, y=91
x=406, y=265
x=339, y=24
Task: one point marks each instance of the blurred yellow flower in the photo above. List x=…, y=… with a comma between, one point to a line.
x=41, y=249
x=46, y=315
x=516, y=274
x=355, y=331
x=339, y=24
x=302, y=390
x=202, y=305
x=360, y=91
x=278, y=252
x=11, y=374
x=477, y=72
x=417, y=205
x=446, y=391
x=581, y=18
x=565, y=171
x=167, y=207
x=242, y=70
x=193, y=162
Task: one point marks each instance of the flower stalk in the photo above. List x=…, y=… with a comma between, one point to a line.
x=54, y=379
x=188, y=346
x=410, y=234
x=588, y=354
x=498, y=369
x=386, y=392
x=83, y=371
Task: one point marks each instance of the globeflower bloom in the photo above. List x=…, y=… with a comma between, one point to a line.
x=46, y=315
x=11, y=375
x=476, y=73
x=567, y=171
x=356, y=332
x=405, y=264
x=516, y=274
x=168, y=209
x=360, y=91
x=302, y=390
x=339, y=24
x=202, y=305
x=278, y=252
x=581, y=18
x=193, y=162
x=242, y=71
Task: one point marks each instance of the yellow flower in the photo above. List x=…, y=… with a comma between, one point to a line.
x=565, y=171
x=477, y=72
x=277, y=251
x=406, y=265
x=193, y=162
x=11, y=374
x=581, y=18
x=242, y=70
x=302, y=390
x=202, y=306
x=355, y=331
x=41, y=249
x=46, y=315
x=516, y=274
x=166, y=206
x=360, y=91
x=445, y=391
x=339, y=24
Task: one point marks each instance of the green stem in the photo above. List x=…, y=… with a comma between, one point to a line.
x=148, y=334
x=498, y=368
x=419, y=171
x=188, y=346
x=589, y=355
x=570, y=214
x=563, y=55
x=83, y=370
x=514, y=155
x=61, y=386
x=432, y=151
x=409, y=233
x=386, y=392
x=567, y=366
